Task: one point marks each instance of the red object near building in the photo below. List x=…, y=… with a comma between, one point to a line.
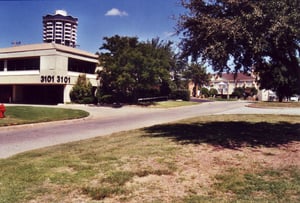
x=2, y=110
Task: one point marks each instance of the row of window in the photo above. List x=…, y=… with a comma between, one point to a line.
x=59, y=23
x=60, y=26
x=74, y=65
x=60, y=32
x=21, y=64
x=60, y=40
x=81, y=66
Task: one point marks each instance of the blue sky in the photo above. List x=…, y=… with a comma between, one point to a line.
x=145, y=19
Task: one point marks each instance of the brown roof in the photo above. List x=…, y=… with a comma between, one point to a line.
x=46, y=46
x=239, y=76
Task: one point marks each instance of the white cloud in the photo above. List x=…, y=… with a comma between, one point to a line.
x=116, y=12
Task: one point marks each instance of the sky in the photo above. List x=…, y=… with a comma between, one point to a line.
x=145, y=19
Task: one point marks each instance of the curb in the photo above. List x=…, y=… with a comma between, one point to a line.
x=29, y=125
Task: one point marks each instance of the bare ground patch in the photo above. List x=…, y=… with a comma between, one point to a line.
x=197, y=167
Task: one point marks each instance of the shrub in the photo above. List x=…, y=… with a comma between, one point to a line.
x=82, y=91
x=107, y=99
x=251, y=91
x=180, y=94
x=244, y=92
x=238, y=92
x=213, y=92
x=88, y=100
x=204, y=92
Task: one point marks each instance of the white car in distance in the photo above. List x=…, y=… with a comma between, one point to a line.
x=294, y=98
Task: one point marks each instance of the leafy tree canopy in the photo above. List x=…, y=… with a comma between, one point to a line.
x=198, y=75
x=241, y=35
x=134, y=69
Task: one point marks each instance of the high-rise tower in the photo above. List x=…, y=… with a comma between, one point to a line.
x=60, y=28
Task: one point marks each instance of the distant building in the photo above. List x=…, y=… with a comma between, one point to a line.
x=60, y=28
x=267, y=95
x=226, y=82
x=43, y=73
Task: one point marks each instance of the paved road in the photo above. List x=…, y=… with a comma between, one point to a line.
x=104, y=121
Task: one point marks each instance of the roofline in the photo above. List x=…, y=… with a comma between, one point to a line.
x=46, y=46
x=58, y=17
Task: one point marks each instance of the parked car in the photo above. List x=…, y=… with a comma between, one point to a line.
x=294, y=98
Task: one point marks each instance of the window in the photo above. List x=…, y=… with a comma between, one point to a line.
x=79, y=66
x=1, y=65
x=23, y=64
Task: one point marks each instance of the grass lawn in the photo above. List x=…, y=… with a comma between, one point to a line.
x=276, y=104
x=16, y=115
x=172, y=103
x=224, y=158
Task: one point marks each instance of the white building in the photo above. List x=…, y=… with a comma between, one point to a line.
x=60, y=28
x=267, y=95
x=227, y=82
x=43, y=73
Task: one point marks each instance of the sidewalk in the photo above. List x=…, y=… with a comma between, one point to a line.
x=252, y=110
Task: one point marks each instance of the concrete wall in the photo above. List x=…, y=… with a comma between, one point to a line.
x=54, y=65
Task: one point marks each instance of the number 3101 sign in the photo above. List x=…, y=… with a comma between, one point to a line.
x=55, y=79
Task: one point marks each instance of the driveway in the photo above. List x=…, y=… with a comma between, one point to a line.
x=104, y=121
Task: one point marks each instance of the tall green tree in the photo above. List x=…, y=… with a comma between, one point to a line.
x=198, y=75
x=278, y=78
x=134, y=69
x=180, y=65
x=240, y=35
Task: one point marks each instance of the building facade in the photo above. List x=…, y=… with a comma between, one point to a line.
x=60, y=28
x=227, y=82
x=43, y=73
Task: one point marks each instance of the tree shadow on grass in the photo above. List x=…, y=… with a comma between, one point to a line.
x=231, y=135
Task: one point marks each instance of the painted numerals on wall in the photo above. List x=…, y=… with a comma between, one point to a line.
x=47, y=79
x=63, y=79
x=55, y=79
